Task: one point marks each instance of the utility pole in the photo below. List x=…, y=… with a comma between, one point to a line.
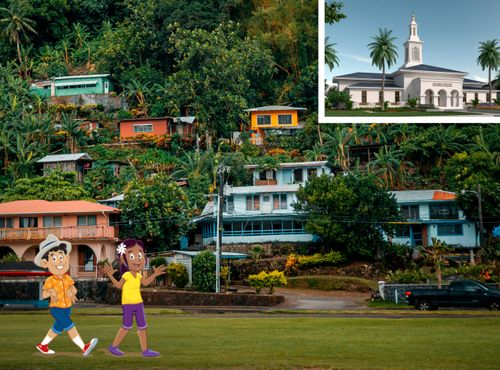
x=220, y=213
x=480, y=210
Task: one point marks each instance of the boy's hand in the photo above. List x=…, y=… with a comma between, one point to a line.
x=161, y=270
x=72, y=295
x=109, y=270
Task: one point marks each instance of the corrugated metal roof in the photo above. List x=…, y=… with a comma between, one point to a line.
x=116, y=198
x=408, y=196
x=80, y=76
x=224, y=255
x=64, y=158
x=273, y=108
x=25, y=207
x=293, y=164
x=75, y=83
x=186, y=119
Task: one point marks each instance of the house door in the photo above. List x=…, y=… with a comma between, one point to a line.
x=106, y=87
x=416, y=234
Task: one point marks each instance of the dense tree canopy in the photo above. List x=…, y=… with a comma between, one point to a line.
x=350, y=213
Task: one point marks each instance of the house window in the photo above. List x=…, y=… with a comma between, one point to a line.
x=450, y=229
x=298, y=176
x=253, y=202
x=266, y=199
x=416, y=53
x=143, y=128
x=89, y=220
x=280, y=201
x=476, y=96
x=410, y=212
x=267, y=175
x=6, y=222
x=28, y=222
x=284, y=119
x=445, y=211
x=364, y=99
x=488, y=97
x=402, y=231
x=52, y=221
x=228, y=204
x=263, y=119
x=396, y=97
x=465, y=97
x=311, y=173
x=380, y=99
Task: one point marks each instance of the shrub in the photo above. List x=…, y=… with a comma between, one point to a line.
x=225, y=275
x=256, y=252
x=408, y=276
x=412, y=102
x=10, y=257
x=476, y=272
x=204, y=271
x=329, y=259
x=338, y=99
x=178, y=273
x=292, y=265
x=257, y=281
x=267, y=279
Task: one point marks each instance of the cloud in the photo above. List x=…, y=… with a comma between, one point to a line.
x=357, y=58
x=479, y=78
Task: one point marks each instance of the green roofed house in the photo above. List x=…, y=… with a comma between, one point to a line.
x=74, y=85
x=79, y=90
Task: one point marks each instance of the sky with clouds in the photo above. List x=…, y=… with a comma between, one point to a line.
x=450, y=29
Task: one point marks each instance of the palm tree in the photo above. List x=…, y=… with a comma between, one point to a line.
x=17, y=24
x=331, y=58
x=489, y=57
x=75, y=136
x=337, y=146
x=383, y=52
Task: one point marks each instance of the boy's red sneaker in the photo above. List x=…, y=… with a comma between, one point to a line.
x=89, y=347
x=44, y=349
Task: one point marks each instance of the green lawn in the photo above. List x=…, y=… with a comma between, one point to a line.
x=189, y=341
x=363, y=113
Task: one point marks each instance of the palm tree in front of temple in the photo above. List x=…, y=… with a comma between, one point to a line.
x=383, y=53
x=489, y=57
x=331, y=58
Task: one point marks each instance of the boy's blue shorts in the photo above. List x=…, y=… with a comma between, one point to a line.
x=62, y=319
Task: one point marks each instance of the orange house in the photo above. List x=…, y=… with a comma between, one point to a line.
x=157, y=126
x=272, y=117
x=88, y=226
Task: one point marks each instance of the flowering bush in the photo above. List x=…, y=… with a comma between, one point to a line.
x=178, y=273
x=267, y=279
x=329, y=259
x=292, y=265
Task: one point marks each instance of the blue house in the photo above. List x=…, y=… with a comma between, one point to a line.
x=262, y=212
x=433, y=213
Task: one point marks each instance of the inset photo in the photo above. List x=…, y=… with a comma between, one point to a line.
x=393, y=61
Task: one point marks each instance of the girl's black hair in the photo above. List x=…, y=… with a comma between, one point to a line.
x=129, y=243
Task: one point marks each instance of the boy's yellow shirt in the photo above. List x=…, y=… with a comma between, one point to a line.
x=61, y=285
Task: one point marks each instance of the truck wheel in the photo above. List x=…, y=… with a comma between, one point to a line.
x=494, y=306
x=424, y=305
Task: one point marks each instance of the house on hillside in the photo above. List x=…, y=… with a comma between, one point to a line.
x=262, y=212
x=88, y=226
x=159, y=126
x=433, y=213
x=77, y=162
x=278, y=119
x=80, y=90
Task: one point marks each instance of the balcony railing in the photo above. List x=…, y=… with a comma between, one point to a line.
x=266, y=182
x=69, y=233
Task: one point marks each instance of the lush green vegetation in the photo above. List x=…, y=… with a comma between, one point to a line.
x=264, y=342
x=332, y=282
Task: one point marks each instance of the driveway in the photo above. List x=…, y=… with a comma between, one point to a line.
x=303, y=299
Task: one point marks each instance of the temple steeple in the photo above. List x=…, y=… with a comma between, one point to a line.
x=413, y=46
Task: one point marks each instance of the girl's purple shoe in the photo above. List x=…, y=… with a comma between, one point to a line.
x=115, y=351
x=149, y=353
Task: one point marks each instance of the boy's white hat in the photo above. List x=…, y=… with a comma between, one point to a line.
x=48, y=244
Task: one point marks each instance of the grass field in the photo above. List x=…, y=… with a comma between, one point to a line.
x=408, y=113
x=267, y=341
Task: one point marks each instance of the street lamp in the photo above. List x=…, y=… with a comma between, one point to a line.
x=218, y=241
x=480, y=211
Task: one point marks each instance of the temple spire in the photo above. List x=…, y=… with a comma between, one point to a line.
x=413, y=46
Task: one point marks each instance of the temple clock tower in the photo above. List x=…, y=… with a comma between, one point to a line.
x=413, y=46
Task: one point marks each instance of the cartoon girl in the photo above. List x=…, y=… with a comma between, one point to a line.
x=133, y=259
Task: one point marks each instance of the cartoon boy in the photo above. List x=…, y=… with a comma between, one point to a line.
x=60, y=287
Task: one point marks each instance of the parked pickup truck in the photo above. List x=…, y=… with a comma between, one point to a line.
x=464, y=293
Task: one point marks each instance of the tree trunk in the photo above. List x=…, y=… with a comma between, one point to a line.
x=382, y=103
x=319, y=135
x=19, y=52
x=491, y=92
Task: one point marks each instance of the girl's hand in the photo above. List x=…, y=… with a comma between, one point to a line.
x=109, y=270
x=161, y=270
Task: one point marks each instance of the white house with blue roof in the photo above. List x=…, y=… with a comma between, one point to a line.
x=433, y=213
x=262, y=212
x=433, y=86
